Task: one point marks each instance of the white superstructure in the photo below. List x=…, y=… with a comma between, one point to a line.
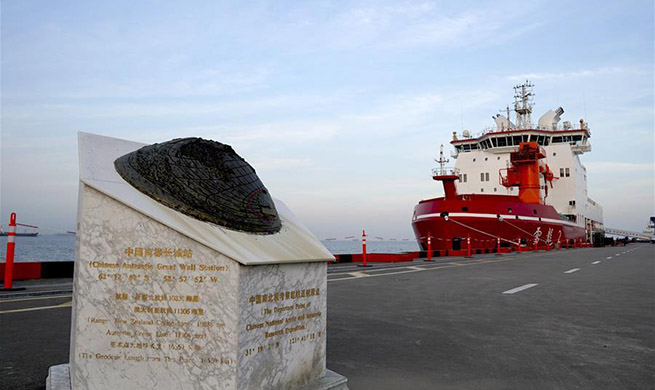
x=481, y=157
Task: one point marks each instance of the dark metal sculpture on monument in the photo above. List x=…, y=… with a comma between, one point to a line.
x=204, y=179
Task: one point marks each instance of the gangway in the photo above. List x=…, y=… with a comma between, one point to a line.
x=628, y=233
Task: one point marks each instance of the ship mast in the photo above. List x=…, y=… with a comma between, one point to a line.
x=523, y=103
x=442, y=161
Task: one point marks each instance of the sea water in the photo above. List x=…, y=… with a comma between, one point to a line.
x=61, y=247
x=44, y=247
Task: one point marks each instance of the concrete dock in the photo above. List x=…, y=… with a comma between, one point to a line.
x=568, y=319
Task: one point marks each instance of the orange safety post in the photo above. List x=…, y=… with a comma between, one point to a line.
x=11, y=246
x=498, y=250
x=364, y=250
x=519, y=244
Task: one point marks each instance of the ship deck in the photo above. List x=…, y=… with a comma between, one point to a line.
x=447, y=324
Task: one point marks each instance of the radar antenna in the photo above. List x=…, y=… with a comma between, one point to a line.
x=442, y=161
x=523, y=103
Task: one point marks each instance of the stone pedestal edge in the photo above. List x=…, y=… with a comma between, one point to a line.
x=59, y=379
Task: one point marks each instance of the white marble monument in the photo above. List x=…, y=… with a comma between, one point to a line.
x=166, y=301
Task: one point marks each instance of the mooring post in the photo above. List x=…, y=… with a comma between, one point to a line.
x=11, y=246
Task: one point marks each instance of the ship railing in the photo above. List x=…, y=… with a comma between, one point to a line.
x=446, y=171
x=495, y=129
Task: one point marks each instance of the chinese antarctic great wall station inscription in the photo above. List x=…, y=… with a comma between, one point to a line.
x=174, y=321
x=172, y=292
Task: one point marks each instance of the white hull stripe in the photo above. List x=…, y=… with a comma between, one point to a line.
x=509, y=218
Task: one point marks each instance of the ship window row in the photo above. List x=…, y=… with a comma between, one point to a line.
x=564, y=172
x=484, y=176
x=463, y=178
x=497, y=142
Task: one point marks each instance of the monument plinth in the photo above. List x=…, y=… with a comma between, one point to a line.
x=172, y=291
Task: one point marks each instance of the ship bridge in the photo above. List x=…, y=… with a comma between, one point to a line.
x=508, y=140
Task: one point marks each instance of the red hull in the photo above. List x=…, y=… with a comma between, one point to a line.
x=485, y=218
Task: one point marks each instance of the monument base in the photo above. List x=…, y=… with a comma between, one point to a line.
x=59, y=379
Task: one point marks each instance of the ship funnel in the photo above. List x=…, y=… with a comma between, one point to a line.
x=502, y=123
x=550, y=119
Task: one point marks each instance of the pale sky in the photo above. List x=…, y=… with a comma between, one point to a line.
x=339, y=106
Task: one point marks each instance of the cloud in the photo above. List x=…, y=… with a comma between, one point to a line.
x=272, y=133
x=576, y=74
x=619, y=167
x=280, y=163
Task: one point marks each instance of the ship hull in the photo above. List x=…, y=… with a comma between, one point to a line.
x=483, y=219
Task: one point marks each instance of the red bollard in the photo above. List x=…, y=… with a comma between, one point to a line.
x=468, y=246
x=11, y=246
x=364, y=249
x=429, y=247
x=498, y=250
x=519, y=244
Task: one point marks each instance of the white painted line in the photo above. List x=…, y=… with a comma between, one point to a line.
x=416, y=268
x=35, y=298
x=572, y=270
x=608, y=257
x=521, y=288
x=67, y=304
x=596, y=262
x=358, y=274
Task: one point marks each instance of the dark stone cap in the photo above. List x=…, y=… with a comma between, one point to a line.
x=204, y=179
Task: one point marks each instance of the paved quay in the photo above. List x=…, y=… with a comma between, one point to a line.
x=576, y=319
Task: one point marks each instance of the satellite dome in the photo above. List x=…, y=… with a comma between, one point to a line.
x=203, y=179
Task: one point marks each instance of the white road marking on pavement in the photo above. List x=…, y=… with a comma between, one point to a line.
x=596, y=262
x=618, y=254
x=572, y=270
x=34, y=298
x=358, y=274
x=67, y=304
x=433, y=267
x=416, y=268
x=521, y=288
x=608, y=257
